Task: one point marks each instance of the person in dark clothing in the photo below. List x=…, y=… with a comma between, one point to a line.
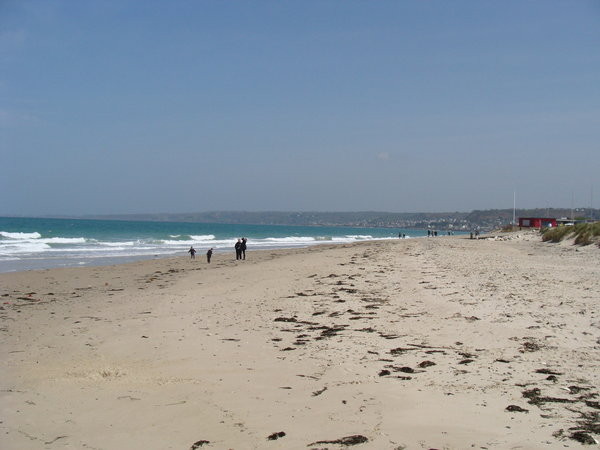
x=243, y=248
x=192, y=252
x=238, y=249
x=209, y=255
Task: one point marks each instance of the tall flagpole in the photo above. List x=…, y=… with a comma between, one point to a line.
x=572, y=202
x=514, y=206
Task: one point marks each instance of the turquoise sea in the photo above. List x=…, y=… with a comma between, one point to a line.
x=37, y=243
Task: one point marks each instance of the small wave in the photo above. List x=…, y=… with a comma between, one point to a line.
x=8, y=235
x=195, y=240
x=190, y=237
x=205, y=237
x=118, y=244
x=175, y=243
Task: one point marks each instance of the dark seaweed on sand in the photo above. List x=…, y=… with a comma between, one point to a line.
x=276, y=435
x=347, y=441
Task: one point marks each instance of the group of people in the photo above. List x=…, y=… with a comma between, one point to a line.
x=192, y=252
x=240, y=250
x=434, y=233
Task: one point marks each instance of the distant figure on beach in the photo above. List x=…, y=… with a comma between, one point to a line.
x=243, y=248
x=192, y=252
x=209, y=255
x=238, y=249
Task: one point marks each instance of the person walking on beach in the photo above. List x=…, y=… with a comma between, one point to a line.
x=238, y=249
x=192, y=252
x=243, y=248
x=209, y=255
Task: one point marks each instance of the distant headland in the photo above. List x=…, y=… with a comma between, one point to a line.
x=459, y=221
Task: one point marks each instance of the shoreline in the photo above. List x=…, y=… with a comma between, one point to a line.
x=33, y=244
x=416, y=342
x=109, y=261
x=44, y=263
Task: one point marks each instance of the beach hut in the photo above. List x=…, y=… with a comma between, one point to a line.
x=537, y=222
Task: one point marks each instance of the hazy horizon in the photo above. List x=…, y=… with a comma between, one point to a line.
x=170, y=213
x=122, y=107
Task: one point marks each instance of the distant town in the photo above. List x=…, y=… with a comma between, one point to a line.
x=484, y=220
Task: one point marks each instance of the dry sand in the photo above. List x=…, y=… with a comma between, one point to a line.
x=421, y=343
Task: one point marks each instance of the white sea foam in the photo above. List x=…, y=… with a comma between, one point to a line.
x=23, y=247
x=20, y=235
x=59, y=240
x=291, y=239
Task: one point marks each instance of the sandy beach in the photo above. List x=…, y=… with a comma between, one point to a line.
x=399, y=344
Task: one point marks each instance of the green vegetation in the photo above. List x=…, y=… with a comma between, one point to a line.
x=584, y=233
x=587, y=233
x=556, y=234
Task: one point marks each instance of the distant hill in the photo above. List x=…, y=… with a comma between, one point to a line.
x=478, y=219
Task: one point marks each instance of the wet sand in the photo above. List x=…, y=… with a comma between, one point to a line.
x=423, y=343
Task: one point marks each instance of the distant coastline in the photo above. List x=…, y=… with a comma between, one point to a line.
x=484, y=220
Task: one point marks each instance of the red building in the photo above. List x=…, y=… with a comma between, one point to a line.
x=537, y=222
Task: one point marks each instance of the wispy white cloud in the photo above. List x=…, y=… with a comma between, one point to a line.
x=383, y=156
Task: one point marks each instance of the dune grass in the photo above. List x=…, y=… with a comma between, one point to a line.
x=583, y=233
x=587, y=233
x=556, y=234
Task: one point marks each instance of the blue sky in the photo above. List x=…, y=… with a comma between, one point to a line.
x=150, y=106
